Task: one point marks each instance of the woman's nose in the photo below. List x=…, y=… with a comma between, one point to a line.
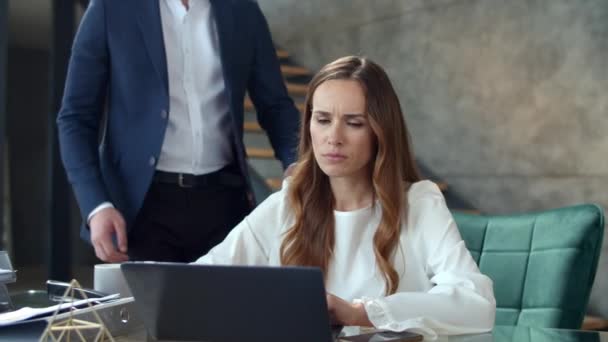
x=335, y=135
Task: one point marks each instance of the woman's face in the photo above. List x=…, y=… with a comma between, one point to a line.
x=342, y=139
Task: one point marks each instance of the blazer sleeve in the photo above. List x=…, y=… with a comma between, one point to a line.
x=78, y=121
x=276, y=111
x=461, y=300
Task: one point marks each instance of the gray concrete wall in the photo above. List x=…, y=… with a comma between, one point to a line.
x=506, y=100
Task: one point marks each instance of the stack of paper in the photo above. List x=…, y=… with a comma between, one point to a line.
x=29, y=313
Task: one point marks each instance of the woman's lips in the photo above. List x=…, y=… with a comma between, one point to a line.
x=334, y=157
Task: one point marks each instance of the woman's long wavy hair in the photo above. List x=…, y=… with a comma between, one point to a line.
x=310, y=242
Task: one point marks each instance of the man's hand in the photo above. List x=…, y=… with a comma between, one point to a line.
x=344, y=313
x=104, y=225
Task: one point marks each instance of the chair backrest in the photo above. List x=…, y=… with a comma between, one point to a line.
x=542, y=264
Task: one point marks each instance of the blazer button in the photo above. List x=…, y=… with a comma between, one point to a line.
x=163, y=114
x=152, y=161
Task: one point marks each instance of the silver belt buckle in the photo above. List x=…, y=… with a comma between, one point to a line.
x=180, y=181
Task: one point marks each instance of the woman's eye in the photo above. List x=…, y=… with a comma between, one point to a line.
x=323, y=121
x=355, y=124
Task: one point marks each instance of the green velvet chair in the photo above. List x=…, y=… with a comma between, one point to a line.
x=542, y=264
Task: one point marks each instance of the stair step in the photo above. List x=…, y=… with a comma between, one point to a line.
x=297, y=89
x=252, y=127
x=282, y=54
x=256, y=152
x=594, y=323
x=292, y=70
x=257, y=141
x=250, y=116
x=248, y=105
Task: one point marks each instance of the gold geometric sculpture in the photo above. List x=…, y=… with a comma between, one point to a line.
x=62, y=330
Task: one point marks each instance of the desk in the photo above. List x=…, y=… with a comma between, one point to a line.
x=133, y=331
x=499, y=334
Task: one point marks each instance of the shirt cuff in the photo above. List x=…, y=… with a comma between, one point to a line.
x=379, y=315
x=98, y=209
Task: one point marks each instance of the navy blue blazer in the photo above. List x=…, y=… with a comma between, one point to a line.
x=118, y=67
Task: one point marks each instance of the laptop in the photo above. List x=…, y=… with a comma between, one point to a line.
x=230, y=303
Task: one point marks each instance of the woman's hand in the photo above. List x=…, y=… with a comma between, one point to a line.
x=344, y=313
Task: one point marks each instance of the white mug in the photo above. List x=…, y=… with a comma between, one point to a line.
x=108, y=278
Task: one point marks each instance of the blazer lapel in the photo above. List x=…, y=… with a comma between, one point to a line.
x=149, y=21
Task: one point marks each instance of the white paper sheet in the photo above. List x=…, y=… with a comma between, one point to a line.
x=27, y=312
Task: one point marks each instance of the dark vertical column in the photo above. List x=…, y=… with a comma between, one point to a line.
x=60, y=268
x=3, y=105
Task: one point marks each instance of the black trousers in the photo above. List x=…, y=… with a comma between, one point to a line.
x=180, y=224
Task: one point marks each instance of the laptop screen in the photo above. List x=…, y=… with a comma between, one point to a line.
x=230, y=303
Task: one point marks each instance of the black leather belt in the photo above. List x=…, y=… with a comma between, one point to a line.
x=223, y=177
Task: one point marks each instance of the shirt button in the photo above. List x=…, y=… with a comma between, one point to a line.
x=163, y=114
x=152, y=161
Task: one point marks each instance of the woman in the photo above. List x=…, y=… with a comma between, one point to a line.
x=388, y=246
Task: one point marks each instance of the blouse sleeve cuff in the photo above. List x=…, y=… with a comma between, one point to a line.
x=376, y=312
x=379, y=315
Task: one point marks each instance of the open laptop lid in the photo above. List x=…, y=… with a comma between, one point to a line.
x=230, y=303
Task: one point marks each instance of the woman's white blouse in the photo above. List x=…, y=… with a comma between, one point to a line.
x=441, y=291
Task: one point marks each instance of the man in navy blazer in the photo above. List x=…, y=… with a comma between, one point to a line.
x=151, y=124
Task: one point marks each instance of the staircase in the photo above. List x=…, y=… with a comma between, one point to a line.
x=261, y=156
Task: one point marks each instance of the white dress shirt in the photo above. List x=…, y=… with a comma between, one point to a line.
x=440, y=292
x=197, y=138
